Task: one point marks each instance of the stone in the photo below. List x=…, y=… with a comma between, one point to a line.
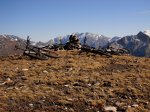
x=31, y=105
x=110, y=109
x=66, y=85
x=9, y=82
x=45, y=71
x=89, y=84
x=25, y=69
x=135, y=105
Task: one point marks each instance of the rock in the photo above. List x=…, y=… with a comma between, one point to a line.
x=129, y=106
x=66, y=85
x=69, y=99
x=110, y=109
x=24, y=69
x=121, y=106
x=9, y=82
x=23, y=78
x=31, y=105
x=69, y=69
x=135, y=105
x=89, y=84
x=73, y=43
x=45, y=71
x=66, y=108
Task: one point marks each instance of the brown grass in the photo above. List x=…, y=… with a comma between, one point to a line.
x=75, y=83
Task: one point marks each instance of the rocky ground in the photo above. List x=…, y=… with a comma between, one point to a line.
x=75, y=83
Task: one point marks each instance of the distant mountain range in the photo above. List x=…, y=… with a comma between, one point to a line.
x=93, y=40
x=139, y=45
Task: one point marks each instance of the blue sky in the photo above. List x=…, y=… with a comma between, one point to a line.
x=46, y=19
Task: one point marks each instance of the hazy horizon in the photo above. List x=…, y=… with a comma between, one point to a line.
x=46, y=19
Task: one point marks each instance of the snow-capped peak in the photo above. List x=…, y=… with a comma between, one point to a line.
x=147, y=32
x=93, y=40
x=114, y=39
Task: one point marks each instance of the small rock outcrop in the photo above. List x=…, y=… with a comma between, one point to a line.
x=73, y=43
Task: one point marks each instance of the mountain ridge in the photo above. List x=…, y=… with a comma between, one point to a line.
x=139, y=44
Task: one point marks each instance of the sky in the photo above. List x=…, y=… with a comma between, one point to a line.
x=43, y=20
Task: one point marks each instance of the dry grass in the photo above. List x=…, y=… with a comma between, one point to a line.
x=75, y=83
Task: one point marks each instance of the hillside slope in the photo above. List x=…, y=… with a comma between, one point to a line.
x=75, y=83
x=8, y=43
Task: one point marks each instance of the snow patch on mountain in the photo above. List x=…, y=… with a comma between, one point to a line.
x=114, y=39
x=147, y=32
x=12, y=37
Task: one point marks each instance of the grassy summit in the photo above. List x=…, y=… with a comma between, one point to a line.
x=75, y=83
